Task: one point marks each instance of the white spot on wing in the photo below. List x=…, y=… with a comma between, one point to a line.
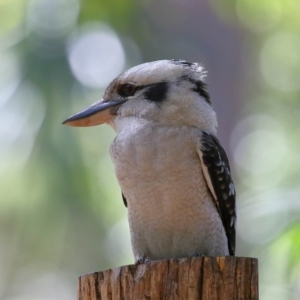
x=231, y=189
x=207, y=177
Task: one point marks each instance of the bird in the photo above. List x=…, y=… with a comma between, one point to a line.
x=173, y=172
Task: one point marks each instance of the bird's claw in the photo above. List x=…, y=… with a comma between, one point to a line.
x=141, y=260
x=199, y=254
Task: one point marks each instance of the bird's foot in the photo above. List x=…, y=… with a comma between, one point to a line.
x=198, y=254
x=141, y=260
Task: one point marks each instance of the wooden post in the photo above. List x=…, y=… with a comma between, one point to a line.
x=203, y=278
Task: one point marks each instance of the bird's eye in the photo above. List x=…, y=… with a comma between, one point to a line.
x=129, y=89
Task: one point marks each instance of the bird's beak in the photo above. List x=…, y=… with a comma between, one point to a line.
x=98, y=113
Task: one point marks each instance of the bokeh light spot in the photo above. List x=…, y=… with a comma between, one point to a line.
x=261, y=16
x=260, y=151
x=10, y=75
x=12, y=13
x=259, y=213
x=97, y=56
x=52, y=19
x=280, y=61
x=260, y=147
x=20, y=119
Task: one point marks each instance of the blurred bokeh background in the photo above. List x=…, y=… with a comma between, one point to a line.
x=61, y=212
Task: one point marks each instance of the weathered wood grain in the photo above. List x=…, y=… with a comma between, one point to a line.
x=203, y=278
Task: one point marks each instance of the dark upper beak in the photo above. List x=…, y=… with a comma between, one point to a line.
x=98, y=113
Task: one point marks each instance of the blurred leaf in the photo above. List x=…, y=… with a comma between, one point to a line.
x=288, y=245
x=11, y=14
x=118, y=13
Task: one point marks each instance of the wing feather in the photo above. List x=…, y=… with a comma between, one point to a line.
x=124, y=200
x=216, y=170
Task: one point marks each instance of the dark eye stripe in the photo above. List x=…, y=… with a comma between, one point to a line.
x=157, y=92
x=199, y=87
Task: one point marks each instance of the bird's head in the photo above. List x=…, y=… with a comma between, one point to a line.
x=169, y=92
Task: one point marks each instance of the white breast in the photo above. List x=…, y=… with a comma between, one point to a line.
x=170, y=210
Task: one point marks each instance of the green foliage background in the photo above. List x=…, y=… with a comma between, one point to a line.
x=61, y=212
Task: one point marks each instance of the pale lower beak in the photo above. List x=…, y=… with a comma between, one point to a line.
x=98, y=113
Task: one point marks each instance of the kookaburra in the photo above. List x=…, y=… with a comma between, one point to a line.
x=174, y=174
